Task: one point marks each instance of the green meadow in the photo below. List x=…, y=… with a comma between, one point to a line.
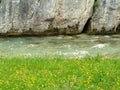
x=56, y=73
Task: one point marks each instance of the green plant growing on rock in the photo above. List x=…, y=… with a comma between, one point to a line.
x=95, y=4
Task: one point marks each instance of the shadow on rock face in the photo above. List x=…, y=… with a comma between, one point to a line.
x=118, y=28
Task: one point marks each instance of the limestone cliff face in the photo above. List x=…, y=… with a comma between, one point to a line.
x=44, y=16
x=106, y=18
x=37, y=17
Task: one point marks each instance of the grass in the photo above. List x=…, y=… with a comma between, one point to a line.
x=89, y=73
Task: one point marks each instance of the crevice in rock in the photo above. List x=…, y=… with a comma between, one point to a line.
x=86, y=28
x=118, y=28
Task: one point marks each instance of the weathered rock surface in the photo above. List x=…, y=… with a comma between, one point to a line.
x=48, y=17
x=106, y=18
x=44, y=16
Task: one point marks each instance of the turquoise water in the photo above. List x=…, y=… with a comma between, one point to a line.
x=67, y=46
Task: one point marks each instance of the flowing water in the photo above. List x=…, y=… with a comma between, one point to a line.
x=76, y=46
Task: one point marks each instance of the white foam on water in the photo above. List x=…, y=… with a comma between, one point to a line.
x=106, y=36
x=79, y=54
x=99, y=46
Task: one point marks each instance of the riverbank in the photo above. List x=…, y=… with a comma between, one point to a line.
x=96, y=73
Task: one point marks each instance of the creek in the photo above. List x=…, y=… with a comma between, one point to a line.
x=76, y=46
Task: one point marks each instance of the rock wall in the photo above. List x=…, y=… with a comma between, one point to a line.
x=49, y=17
x=106, y=18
